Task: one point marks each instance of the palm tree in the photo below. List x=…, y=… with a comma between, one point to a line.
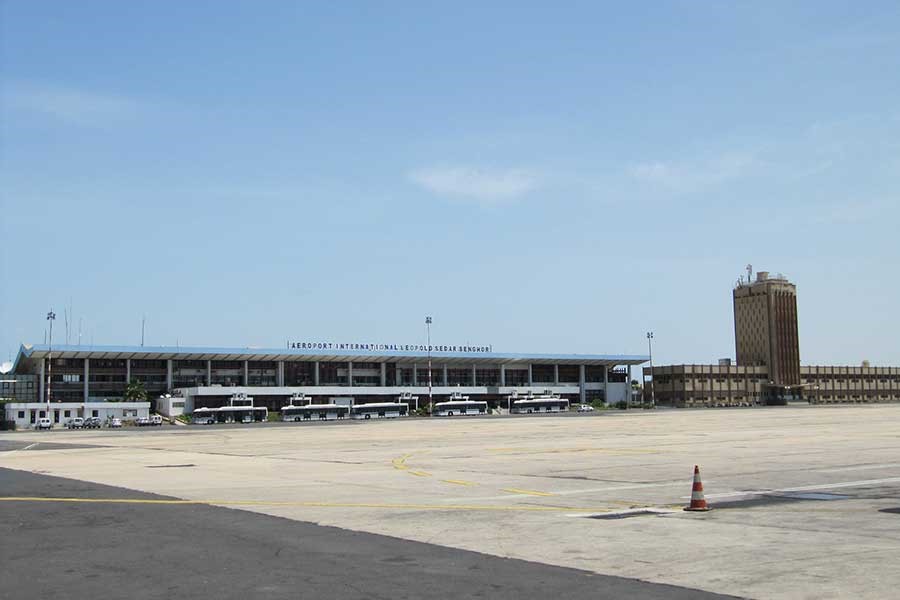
x=135, y=392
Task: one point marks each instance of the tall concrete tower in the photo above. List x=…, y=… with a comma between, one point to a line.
x=765, y=327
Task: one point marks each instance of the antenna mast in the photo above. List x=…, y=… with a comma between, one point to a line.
x=749, y=273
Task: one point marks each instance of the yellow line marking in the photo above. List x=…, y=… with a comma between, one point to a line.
x=526, y=492
x=458, y=482
x=400, y=464
x=399, y=506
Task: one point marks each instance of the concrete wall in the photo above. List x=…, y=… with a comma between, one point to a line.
x=171, y=406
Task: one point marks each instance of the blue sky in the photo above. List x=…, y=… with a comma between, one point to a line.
x=542, y=177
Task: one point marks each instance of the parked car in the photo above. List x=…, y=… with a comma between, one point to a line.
x=43, y=423
x=247, y=419
x=585, y=408
x=156, y=420
x=92, y=423
x=75, y=423
x=115, y=423
x=142, y=421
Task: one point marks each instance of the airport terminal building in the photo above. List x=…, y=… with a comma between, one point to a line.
x=208, y=377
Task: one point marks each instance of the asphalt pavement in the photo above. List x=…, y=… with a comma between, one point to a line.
x=145, y=550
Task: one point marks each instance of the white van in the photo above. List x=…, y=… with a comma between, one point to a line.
x=156, y=420
x=43, y=423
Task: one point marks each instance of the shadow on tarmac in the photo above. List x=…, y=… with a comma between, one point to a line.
x=137, y=551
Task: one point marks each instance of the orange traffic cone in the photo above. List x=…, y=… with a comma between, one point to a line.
x=698, y=502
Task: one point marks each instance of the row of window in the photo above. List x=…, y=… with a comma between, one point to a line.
x=11, y=385
x=883, y=381
x=540, y=372
x=665, y=379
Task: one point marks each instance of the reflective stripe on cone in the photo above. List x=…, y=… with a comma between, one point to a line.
x=698, y=501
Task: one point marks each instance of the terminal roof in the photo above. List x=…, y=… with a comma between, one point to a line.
x=290, y=354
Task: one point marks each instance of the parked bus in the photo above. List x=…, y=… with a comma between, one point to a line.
x=544, y=403
x=240, y=409
x=459, y=405
x=230, y=414
x=379, y=410
x=318, y=412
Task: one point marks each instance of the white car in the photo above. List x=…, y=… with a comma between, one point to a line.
x=585, y=408
x=142, y=422
x=156, y=420
x=43, y=423
x=115, y=423
x=75, y=423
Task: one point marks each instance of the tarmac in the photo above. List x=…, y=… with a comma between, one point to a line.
x=142, y=547
x=805, y=499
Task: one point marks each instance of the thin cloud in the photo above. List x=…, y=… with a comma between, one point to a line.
x=693, y=176
x=70, y=105
x=483, y=185
x=853, y=212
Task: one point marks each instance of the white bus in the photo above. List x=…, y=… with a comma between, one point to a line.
x=379, y=410
x=230, y=414
x=460, y=407
x=540, y=404
x=314, y=412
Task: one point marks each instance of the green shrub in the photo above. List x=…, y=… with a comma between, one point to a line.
x=622, y=405
x=274, y=415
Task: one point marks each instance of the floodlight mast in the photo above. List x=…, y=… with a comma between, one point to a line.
x=51, y=316
x=652, y=386
x=428, y=335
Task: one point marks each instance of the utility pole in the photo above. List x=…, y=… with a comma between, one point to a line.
x=428, y=333
x=652, y=379
x=51, y=316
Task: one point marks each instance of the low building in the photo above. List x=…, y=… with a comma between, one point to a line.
x=705, y=385
x=735, y=385
x=26, y=414
x=829, y=385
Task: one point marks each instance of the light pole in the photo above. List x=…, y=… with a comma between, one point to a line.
x=428, y=335
x=51, y=316
x=652, y=379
